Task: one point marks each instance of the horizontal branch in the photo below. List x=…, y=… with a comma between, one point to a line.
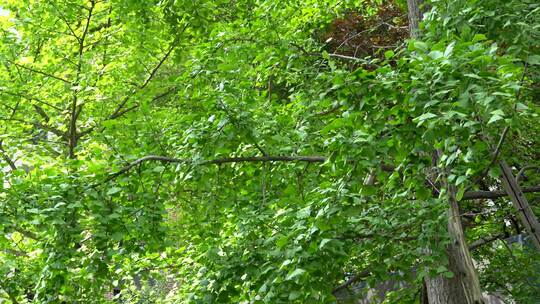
x=15, y=252
x=45, y=127
x=164, y=159
x=485, y=240
x=481, y=194
x=26, y=233
x=469, y=195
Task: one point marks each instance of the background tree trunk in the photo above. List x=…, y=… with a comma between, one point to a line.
x=415, y=16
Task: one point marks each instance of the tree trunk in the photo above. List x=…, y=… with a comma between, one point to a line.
x=415, y=16
x=464, y=287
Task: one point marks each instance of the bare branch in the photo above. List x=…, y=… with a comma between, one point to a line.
x=485, y=240
x=51, y=129
x=14, y=252
x=471, y=195
x=42, y=113
x=498, y=148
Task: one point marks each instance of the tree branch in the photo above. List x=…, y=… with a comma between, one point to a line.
x=122, y=104
x=53, y=130
x=120, y=109
x=522, y=171
x=471, y=195
x=75, y=107
x=30, y=98
x=42, y=72
x=26, y=233
x=365, y=273
x=354, y=279
x=485, y=240
x=164, y=159
x=15, y=252
x=41, y=112
x=65, y=21
x=6, y=157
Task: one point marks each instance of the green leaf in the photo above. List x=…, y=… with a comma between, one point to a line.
x=534, y=59
x=449, y=49
x=421, y=46
x=423, y=194
x=420, y=119
x=368, y=190
x=113, y=190
x=324, y=242
x=117, y=236
x=496, y=116
x=293, y=295
x=479, y=37
x=460, y=193
x=282, y=242
x=441, y=269
x=448, y=274
x=295, y=274
x=473, y=76
x=159, y=169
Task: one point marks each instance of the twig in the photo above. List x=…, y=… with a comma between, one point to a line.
x=65, y=21
x=355, y=278
x=30, y=98
x=507, y=128
x=121, y=105
x=522, y=171
x=6, y=157
x=498, y=148
x=42, y=72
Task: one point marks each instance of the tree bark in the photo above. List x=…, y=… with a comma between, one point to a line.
x=415, y=16
x=464, y=286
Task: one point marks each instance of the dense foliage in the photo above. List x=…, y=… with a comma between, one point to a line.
x=288, y=163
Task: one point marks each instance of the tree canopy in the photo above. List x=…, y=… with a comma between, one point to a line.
x=249, y=151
